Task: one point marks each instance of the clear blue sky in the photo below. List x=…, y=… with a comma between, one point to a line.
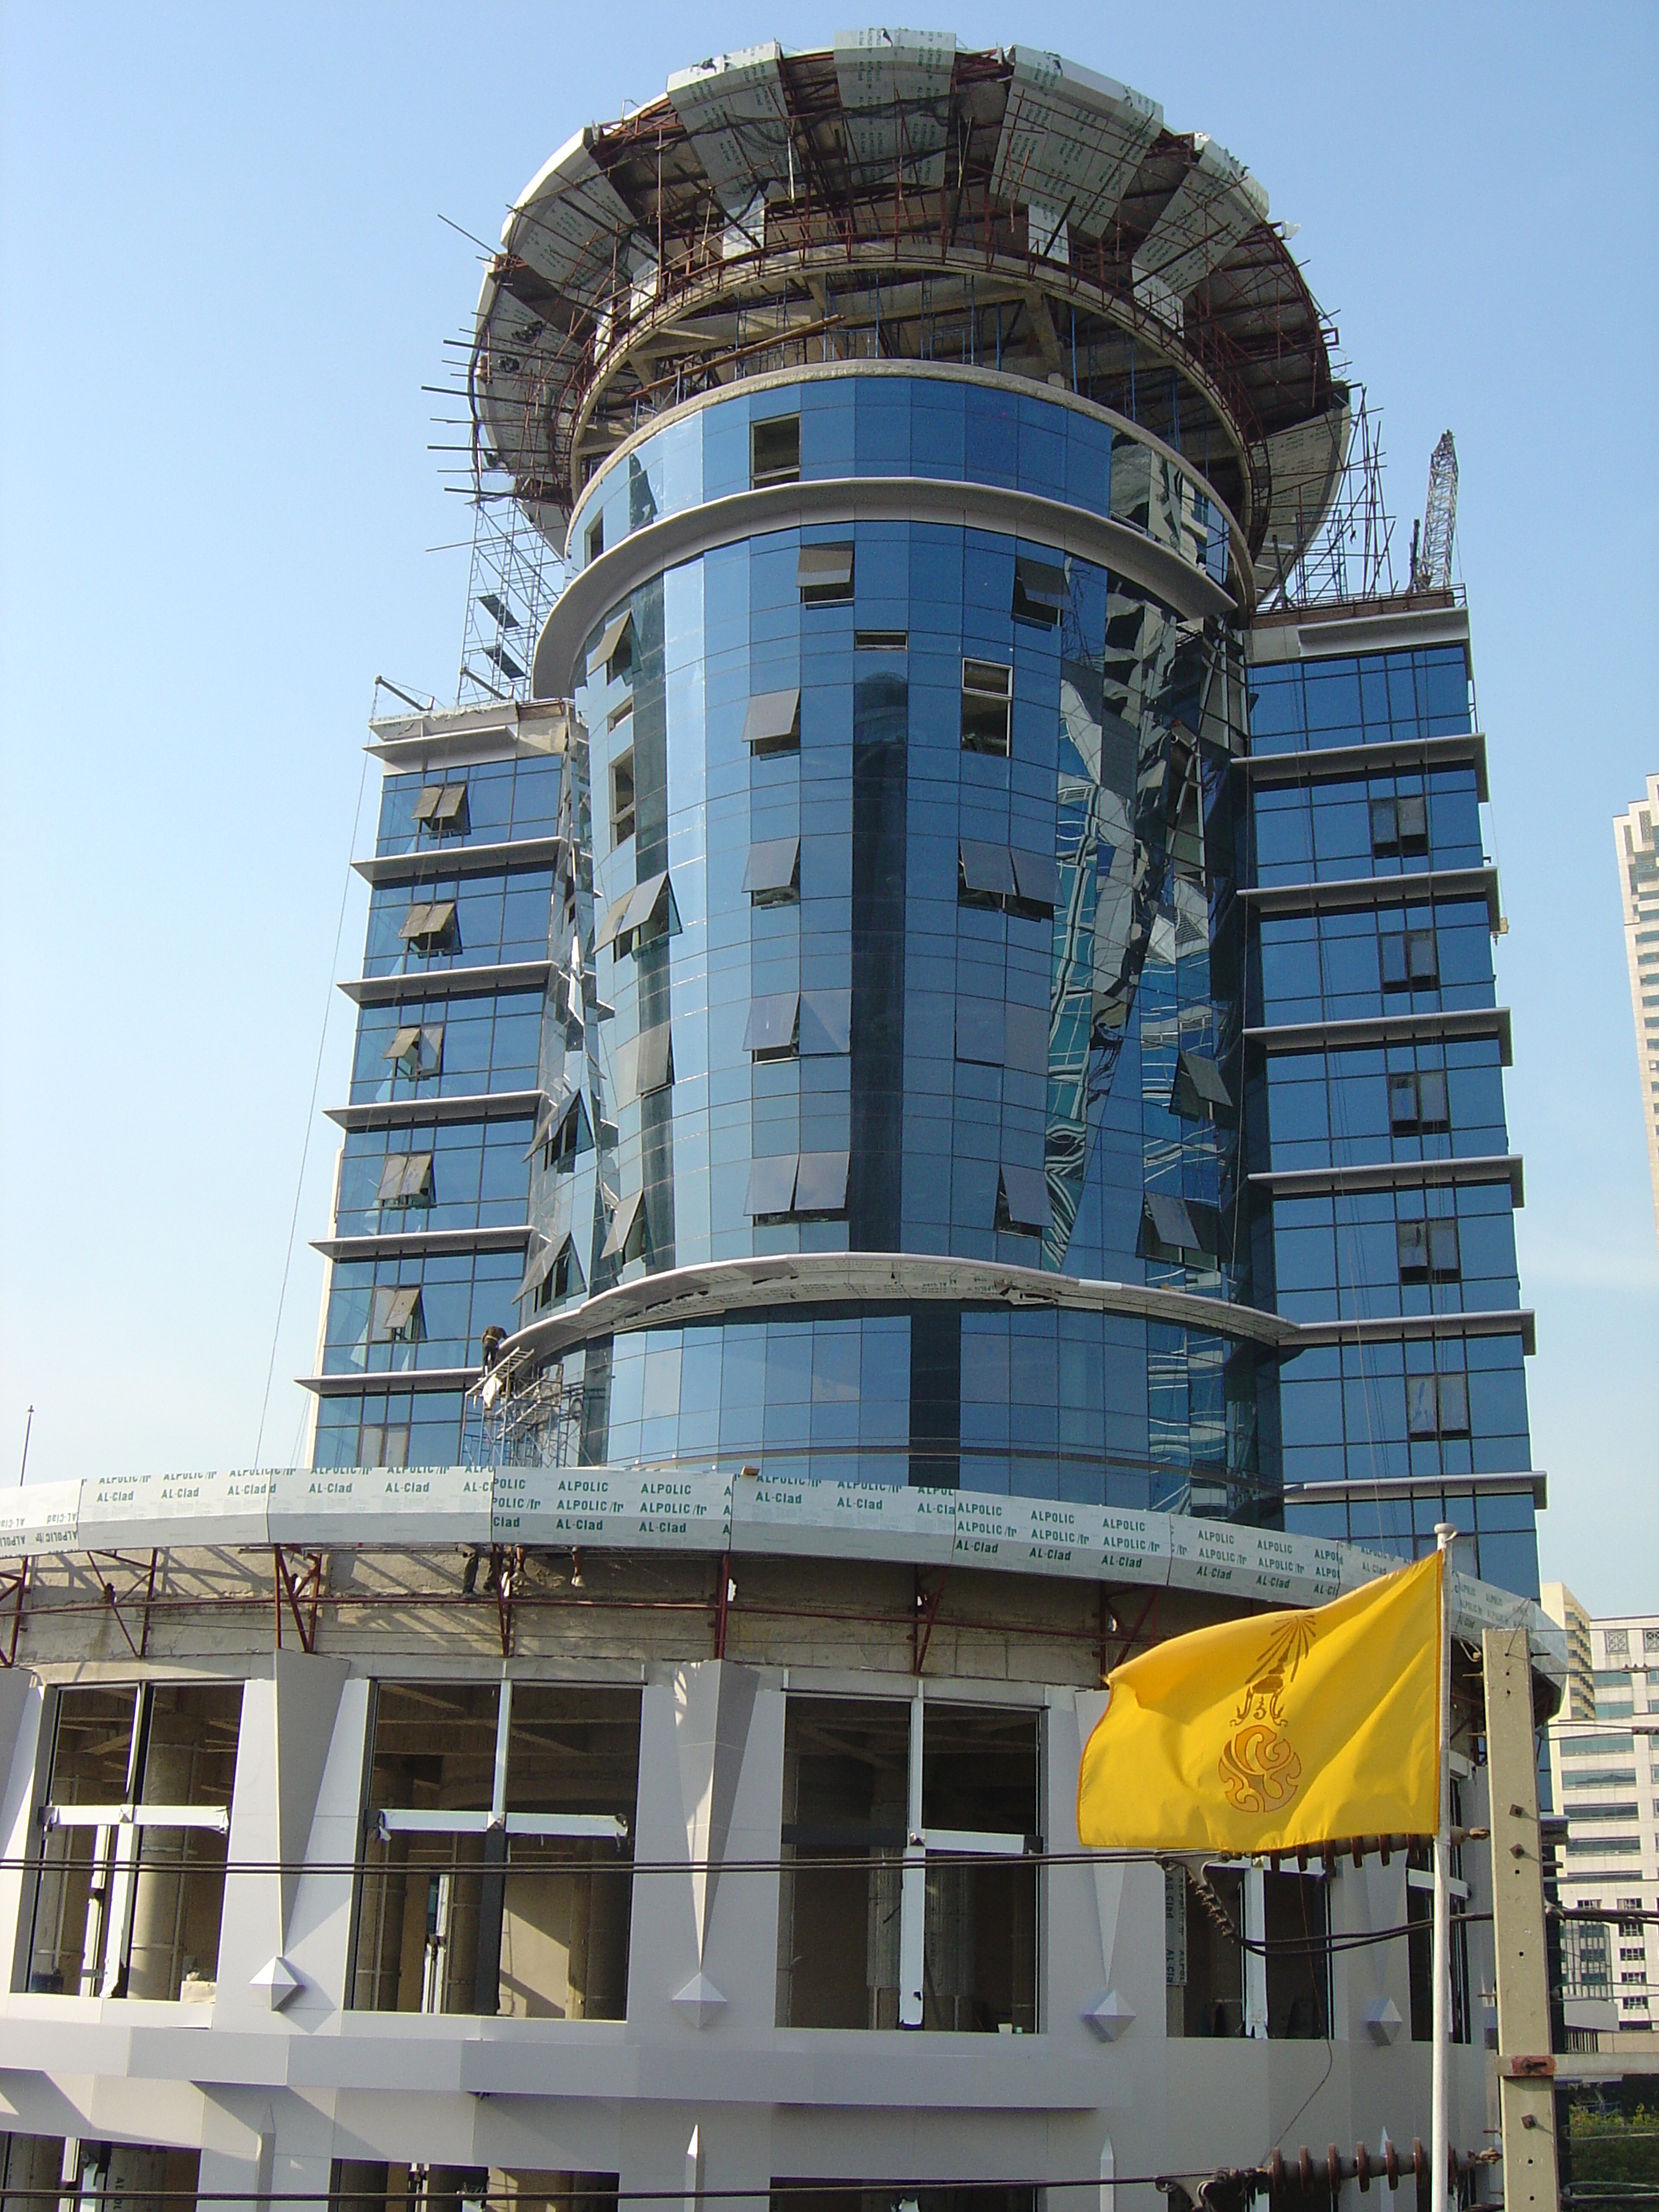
x=224, y=284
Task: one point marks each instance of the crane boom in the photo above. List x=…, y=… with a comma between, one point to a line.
x=1432, y=570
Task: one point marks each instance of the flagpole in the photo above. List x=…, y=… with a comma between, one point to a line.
x=1443, y=1534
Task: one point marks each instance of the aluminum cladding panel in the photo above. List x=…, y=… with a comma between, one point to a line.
x=895, y=88
x=737, y=117
x=1071, y=139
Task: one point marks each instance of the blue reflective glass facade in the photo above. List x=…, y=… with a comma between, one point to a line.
x=919, y=887
x=1375, y=1102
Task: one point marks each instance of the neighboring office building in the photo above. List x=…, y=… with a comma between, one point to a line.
x=962, y=1054
x=1605, y=1777
x=1633, y=836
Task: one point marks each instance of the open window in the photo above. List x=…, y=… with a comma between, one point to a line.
x=643, y=915
x=1039, y=592
x=441, y=811
x=613, y=650
x=630, y=1232
x=594, y=540
x=909, y=1897
x=772, y=724
x=552, y=1275
x=1399, y=826
x=775, y=451
x=644, y=1065
x=395, y=1314
x=984, y=873
x=1410, y=960
x=562, y=1133
x=1436, y=1405
x=416, y=1051
x=986, y=691
x=1418, y=1102
x=429, y=926
x=1199, y=1092
x=1183, y=1228
x=622, y=798
x=824, y=575
x=772, y=1031
x=131, y=1887
x=784, y=1185
x=1022, y=1205
x=1428, y=1251
x=405, y=1182
x=771, y=875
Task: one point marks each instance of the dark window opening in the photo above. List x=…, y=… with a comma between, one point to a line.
x=986, y=695
x=1247, y=1954
x=775, y=451
x=596, y=537
x=881, y=641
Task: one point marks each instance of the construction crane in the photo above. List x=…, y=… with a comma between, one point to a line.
x=1431, y=539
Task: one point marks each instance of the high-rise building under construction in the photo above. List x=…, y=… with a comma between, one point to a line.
x=983, y=978
x=926, y=1110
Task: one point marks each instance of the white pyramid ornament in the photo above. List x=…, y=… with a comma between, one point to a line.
x=279, y=1982
x=1107, y=2015
x=699, y=2001
x=1382, y=2020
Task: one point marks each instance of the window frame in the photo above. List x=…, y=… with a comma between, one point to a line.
x=496, y=1826
x=951, y=1845
x=987, y=707
x=774, y=472
x=117, y=1846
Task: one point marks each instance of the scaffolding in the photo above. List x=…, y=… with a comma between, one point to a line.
x=514, y=577
x=523, y=1412
x=1351, y=555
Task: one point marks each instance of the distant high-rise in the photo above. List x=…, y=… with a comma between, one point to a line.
x=1603, y=1747
x=1639, y=887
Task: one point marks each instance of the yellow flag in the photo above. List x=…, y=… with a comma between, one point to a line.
x=1276, y=1732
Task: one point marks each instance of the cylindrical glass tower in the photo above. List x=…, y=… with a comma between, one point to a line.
x=911, y=511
